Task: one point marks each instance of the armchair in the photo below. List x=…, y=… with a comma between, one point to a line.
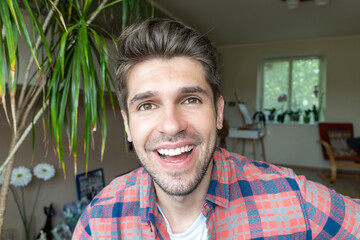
x=333, y=138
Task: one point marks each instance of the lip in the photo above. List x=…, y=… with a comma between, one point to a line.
x=182, y=164
x=174, y=145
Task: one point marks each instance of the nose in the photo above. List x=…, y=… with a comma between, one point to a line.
x=172, y=121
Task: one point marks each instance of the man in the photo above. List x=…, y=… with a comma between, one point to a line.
x=169, y=92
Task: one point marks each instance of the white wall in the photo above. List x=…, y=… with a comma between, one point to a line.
x=286, y=143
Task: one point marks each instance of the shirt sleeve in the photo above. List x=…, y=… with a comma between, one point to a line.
x=82, y=230
x=331, y=215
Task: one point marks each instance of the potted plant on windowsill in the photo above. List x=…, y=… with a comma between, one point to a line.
x=294, y=115
x=315, y=111
x=281, y=117
x=307, y=115
x=271, y=115
x=282, y=99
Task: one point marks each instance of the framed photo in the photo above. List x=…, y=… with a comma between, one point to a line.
x=88, y=185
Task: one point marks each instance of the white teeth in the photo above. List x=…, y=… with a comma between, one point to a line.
x=176, y=151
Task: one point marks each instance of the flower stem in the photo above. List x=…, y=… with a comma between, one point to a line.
x=17, y=203
x=24, y=212
x=34, y=204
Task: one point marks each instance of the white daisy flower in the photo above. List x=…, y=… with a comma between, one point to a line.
x=20, y=177
x=44, y=171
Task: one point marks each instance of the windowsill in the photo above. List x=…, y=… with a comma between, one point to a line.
x=292, y=123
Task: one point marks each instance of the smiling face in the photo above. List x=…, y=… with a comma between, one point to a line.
x=172, y=121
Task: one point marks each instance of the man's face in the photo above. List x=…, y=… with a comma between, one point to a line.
x=172, y=121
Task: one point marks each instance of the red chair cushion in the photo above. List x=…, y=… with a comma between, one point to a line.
x=339, y=146
x=323, y=132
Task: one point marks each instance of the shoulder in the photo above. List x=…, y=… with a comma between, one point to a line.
x=242, y=168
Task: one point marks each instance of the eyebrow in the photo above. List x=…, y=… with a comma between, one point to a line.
x=196, y=89
x=150, y=94
x=142, y=96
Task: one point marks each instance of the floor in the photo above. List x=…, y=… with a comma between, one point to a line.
x=347, y=183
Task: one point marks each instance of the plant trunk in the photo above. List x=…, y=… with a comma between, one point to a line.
x=6, y=182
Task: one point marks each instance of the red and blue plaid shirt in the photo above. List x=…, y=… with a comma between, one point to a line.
x=245, y=200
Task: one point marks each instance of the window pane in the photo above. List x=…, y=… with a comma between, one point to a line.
x=276, y=83
x=305, y=79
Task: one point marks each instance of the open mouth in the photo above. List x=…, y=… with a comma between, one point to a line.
x=175, y=155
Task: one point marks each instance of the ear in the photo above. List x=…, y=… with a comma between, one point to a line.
x=220, y=112
x=126, y=124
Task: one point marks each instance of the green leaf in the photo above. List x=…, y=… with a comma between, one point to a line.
x=2, y=71
x=107, y=5
x=40, y=31
x=75, y=89
x=124, y=14
x=63, y=48
x=12, y=11
x=86, y=7
x=86, y=134
x=10, y=36
x=54, y=122
x=93, y=93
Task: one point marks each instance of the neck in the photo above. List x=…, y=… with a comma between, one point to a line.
x=182, y=211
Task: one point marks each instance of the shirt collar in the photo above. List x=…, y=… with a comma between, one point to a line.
x=218, y=191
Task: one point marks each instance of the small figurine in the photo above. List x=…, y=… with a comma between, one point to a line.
x=49, y=212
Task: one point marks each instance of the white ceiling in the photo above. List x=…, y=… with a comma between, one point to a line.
x=230, y=22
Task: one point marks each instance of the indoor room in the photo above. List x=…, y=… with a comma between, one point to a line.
x=286, y=66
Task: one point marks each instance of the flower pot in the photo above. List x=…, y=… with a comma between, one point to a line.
x=306, y=119
x=271, y=117
x=295, y=118
x=281, y=118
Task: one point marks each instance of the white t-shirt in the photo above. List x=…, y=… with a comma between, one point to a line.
x=197, y=231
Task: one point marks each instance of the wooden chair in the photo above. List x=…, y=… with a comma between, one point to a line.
x=334, y=147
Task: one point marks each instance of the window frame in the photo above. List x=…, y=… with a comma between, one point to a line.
x=322, y=80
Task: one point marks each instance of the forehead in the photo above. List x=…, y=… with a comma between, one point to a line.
x=166, y=75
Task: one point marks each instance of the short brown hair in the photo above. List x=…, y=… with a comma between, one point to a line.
x=163, y=38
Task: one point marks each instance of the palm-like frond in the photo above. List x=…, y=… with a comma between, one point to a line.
x=74, y=63
x=72, y=68
x=80, y=74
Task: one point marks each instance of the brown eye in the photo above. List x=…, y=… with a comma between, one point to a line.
x=146, y=107
x=192, y=100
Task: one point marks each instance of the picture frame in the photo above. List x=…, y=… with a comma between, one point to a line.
x=88, y=185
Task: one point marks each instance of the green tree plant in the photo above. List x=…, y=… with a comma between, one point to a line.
x=66, y=47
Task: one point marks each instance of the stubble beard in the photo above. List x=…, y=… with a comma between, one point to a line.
x=180, y=184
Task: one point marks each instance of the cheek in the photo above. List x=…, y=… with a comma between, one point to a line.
x=204, y=124
x=140, y=130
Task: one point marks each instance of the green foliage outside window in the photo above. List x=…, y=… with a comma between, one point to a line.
x=297, y=78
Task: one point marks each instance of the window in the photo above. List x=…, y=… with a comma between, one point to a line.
x=291, y=84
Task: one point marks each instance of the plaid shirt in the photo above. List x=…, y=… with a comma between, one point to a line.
x=245, y=200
